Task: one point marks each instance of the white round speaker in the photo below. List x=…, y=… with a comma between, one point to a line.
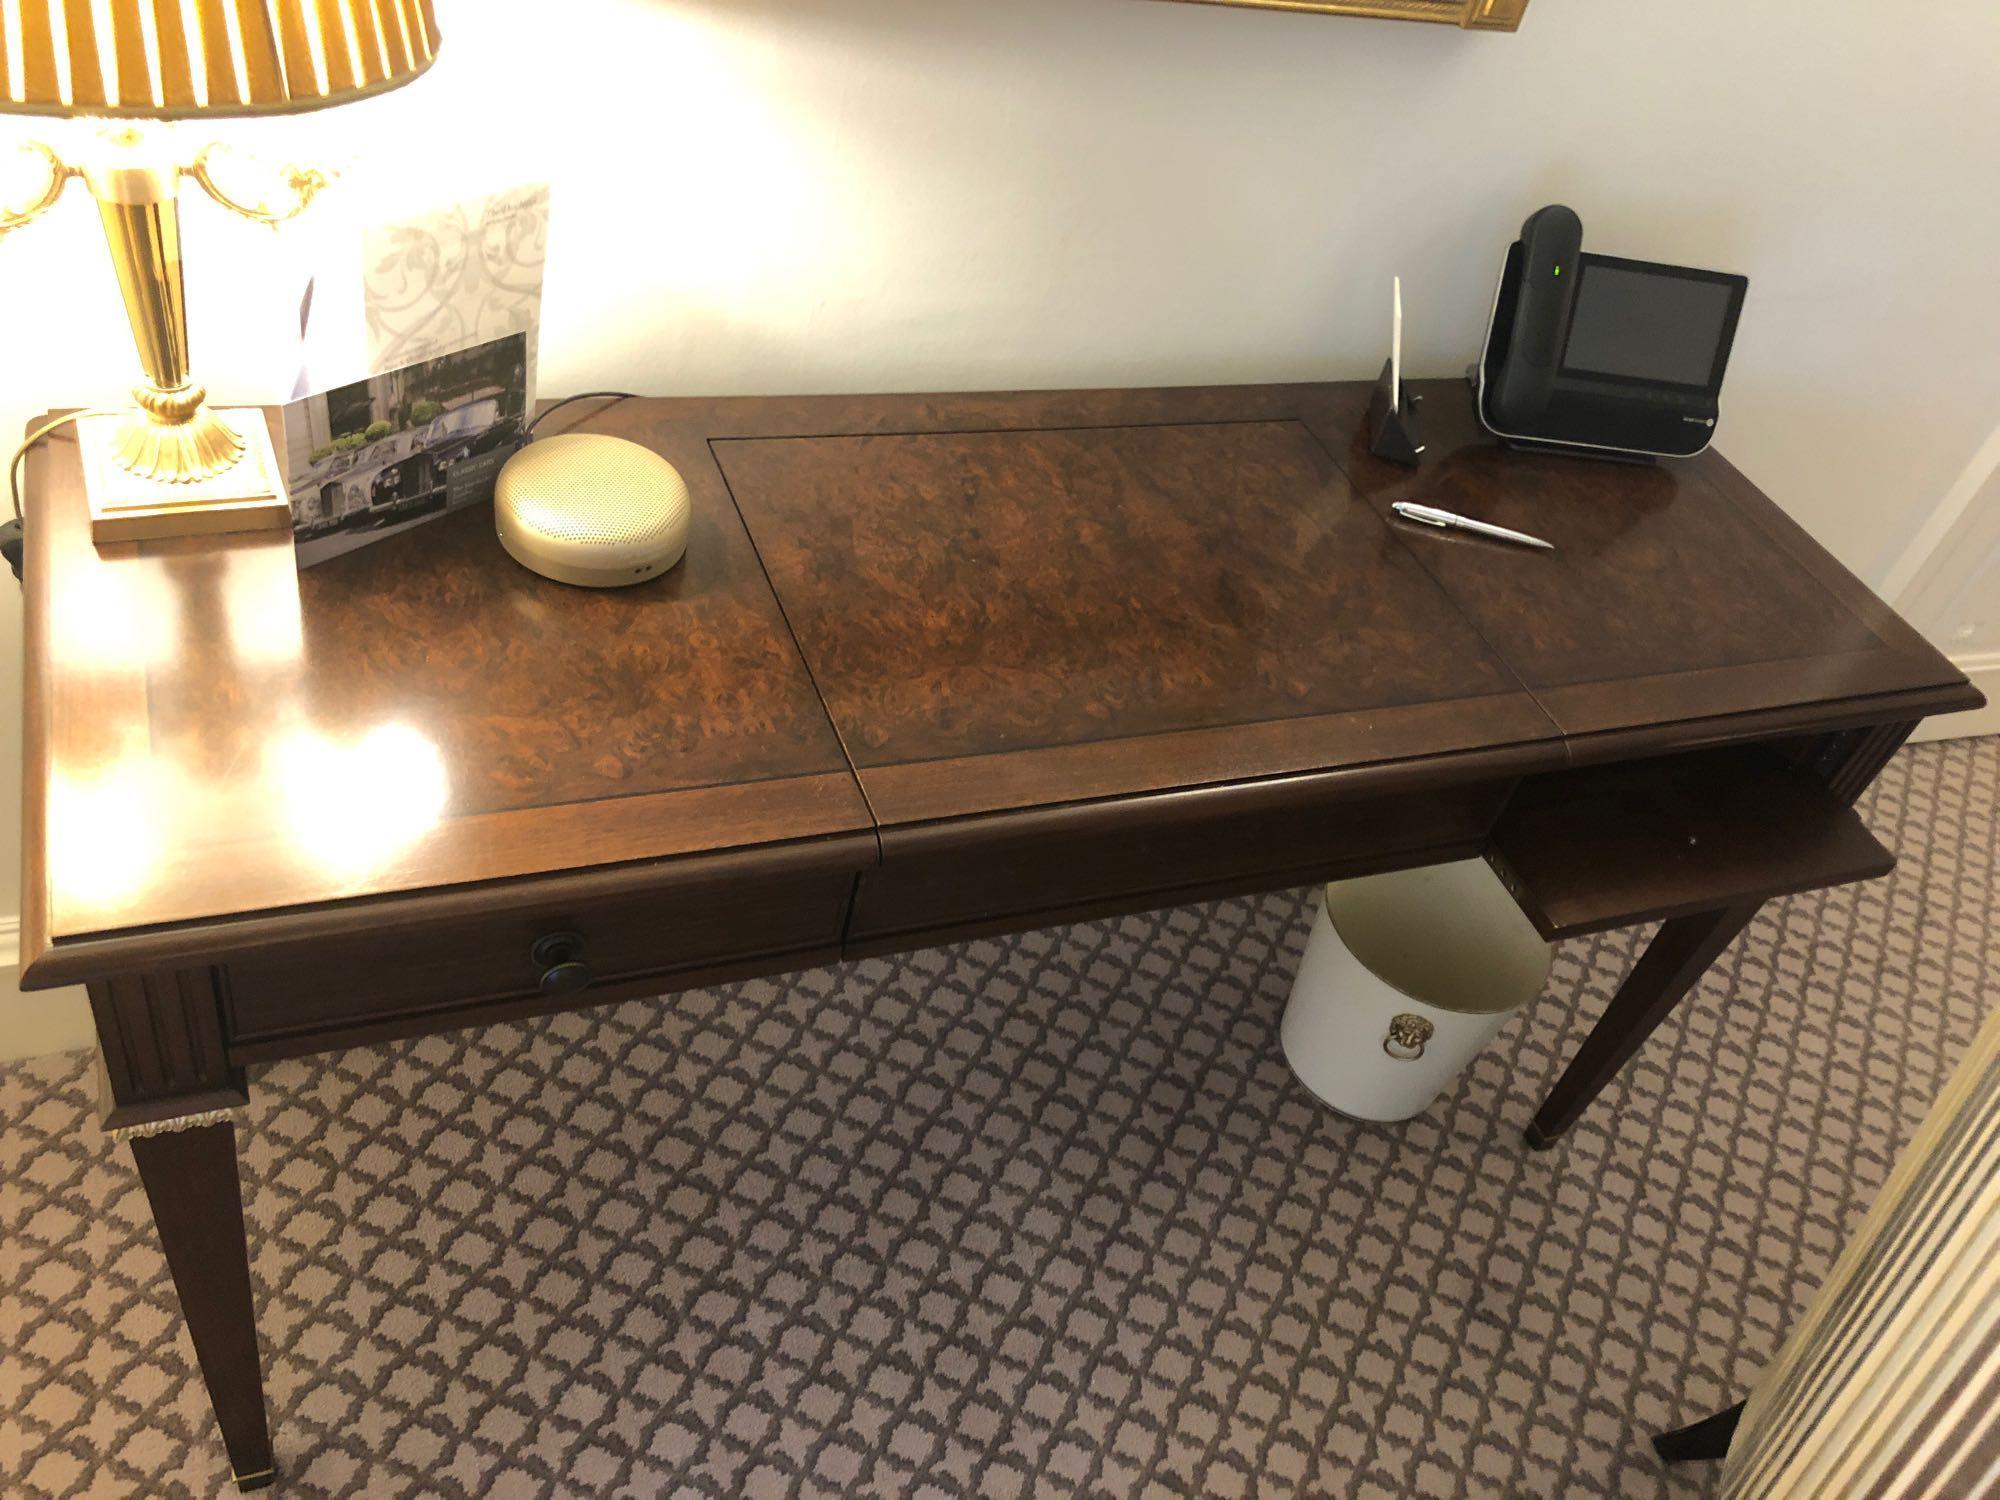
x=589, y=509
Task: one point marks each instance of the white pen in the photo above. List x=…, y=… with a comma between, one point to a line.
x=1430, y=515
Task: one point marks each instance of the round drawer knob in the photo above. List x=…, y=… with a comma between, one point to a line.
x=564, y=979
x=559, y=956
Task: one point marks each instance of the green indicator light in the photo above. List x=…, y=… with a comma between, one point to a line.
x=1559, y=270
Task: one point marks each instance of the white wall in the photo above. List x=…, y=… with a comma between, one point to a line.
x=768, y=195
x=1948, y=586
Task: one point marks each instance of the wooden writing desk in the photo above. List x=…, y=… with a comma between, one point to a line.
x=933, y=667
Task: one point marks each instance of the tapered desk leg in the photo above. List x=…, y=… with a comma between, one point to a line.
x=171, y=1094
x=1679, y=954
x=190, y=1179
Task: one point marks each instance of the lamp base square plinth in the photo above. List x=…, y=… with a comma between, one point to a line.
x=125, y=507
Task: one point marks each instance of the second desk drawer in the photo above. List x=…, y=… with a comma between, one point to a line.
x=955, y=880
x=416, y=966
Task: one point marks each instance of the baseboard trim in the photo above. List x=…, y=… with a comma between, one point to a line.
x=39, y=1022
x=1984, y=670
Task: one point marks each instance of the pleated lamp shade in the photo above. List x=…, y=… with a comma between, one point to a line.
x=171, y=59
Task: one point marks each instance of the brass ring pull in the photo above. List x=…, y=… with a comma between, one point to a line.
x=1411, y=1034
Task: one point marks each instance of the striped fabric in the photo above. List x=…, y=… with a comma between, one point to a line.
x=170, y=58
x=1891, y=1385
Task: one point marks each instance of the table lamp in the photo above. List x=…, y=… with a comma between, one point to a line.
x=173, y=465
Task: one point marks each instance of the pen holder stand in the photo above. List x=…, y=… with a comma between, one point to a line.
x=1392, y=420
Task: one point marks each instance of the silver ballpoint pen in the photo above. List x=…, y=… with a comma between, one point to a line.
x=1430, y=515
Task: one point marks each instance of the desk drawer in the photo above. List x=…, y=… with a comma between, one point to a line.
x=539, y=958
x=942, y=882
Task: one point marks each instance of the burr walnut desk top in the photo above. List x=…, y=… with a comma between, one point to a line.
x=906, y=625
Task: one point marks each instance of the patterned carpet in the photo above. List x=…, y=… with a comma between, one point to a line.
x=1042, y=1216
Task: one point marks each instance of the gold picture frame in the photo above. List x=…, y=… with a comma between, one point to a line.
x=1471, y=15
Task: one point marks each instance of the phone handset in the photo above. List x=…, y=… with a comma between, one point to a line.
x=1551, y=241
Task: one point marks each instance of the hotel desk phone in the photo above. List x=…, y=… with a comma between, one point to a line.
x=1602, y=356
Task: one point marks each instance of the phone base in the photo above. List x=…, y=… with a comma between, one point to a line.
x=1574, y=450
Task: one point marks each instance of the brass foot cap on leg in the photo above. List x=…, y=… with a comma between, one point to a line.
x=262, y=1479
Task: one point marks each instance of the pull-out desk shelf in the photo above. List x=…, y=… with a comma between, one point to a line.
x=1643, y=841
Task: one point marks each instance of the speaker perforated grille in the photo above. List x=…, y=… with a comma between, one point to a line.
x=589, y=490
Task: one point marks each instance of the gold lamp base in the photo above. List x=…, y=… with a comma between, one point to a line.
x=176, y=437
x=187, y=491
x=173, y=466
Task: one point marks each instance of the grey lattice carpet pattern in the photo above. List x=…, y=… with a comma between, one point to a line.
x=1042, y=1216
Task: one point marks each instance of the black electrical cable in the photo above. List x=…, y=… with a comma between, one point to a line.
x=13, y=534
x=579, y=396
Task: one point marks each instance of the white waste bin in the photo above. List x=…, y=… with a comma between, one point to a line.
x=1405, y=977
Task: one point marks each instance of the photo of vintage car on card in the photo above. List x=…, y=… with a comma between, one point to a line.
x=374, y=458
